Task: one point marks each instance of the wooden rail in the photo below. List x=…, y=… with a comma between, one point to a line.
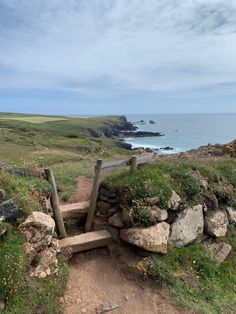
x=133, y=163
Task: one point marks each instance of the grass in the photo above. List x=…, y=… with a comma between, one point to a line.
x=24, y=294
x=183, y=176
x=28, y=192
x=215, y=283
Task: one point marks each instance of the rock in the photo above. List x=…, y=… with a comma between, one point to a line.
x=187, y=227
x=3, y=230
x=152, y=122
x=203, y=184
x=47, y=264
x=149, y=150
x=159, y=214
x=231, y=212
x=188, y=278
x=2, y=305
x=128, y=216
x=216, y=223
x=106, y=307
x=9, y=211
x=103, y=207
x=151, y=239
x=167, y=148
x=116, y=221
x=152, y=200
x=218, y=251
x=38, y=229
x=174, y=201
x=2, y=195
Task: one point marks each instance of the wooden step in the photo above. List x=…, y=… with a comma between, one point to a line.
x=75, y=210
x=85, y=241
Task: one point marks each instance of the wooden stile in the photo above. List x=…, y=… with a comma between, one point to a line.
x=55, y=204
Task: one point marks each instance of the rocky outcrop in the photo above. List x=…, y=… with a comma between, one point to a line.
x=188, y=226
x=138, y=134
x=216, y=223
x=174, y=201
x=151, y=239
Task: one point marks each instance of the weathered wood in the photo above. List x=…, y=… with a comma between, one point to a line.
x=94, y=195
x=55, y=204
x=109, y=166
x=20, y=171
x=134, y=164
x=85, y=241
x=74, y=211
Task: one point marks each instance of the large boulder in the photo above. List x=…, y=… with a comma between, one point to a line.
x=9, y=211
x=38, y=230
x=151, y=239
x=231, y=213
x=216, y=223
x=187, y=227
x=174, y=201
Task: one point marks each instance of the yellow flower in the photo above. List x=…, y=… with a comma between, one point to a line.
x=194, y=262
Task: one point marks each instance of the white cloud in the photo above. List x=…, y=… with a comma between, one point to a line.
x=91, y=45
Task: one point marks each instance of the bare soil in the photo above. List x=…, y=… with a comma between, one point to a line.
x=96, y=278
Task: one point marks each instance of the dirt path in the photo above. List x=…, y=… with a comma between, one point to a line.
x=96, y=278
x=83, y=190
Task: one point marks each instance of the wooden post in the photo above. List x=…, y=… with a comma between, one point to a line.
x=94, y=195
x=55, y=204
x=134, y=164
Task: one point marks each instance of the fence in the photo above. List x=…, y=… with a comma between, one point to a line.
x=133, y=163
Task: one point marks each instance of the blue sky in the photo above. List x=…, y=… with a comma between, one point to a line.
x=117, y=56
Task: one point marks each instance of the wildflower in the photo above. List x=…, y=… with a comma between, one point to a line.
x=194, y=262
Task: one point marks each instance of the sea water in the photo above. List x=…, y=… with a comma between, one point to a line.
x=183, y=132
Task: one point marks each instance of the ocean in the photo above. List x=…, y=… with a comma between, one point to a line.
x=184, y=131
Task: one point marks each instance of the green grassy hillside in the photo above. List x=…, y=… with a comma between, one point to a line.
x=69, y=144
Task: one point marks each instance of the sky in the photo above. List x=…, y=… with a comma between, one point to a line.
x=117, y=56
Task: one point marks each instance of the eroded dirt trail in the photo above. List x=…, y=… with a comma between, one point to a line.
x=95, y=278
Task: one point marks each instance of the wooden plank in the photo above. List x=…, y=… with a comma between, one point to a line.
x=75, y=210
x=94, y=195
x=85, y=241
x=55, y=204
x=20, y=171
x=112, y=165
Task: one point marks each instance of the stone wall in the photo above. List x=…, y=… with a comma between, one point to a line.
x=159, y=228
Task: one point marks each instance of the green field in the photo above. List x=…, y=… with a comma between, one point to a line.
x=69, y=144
